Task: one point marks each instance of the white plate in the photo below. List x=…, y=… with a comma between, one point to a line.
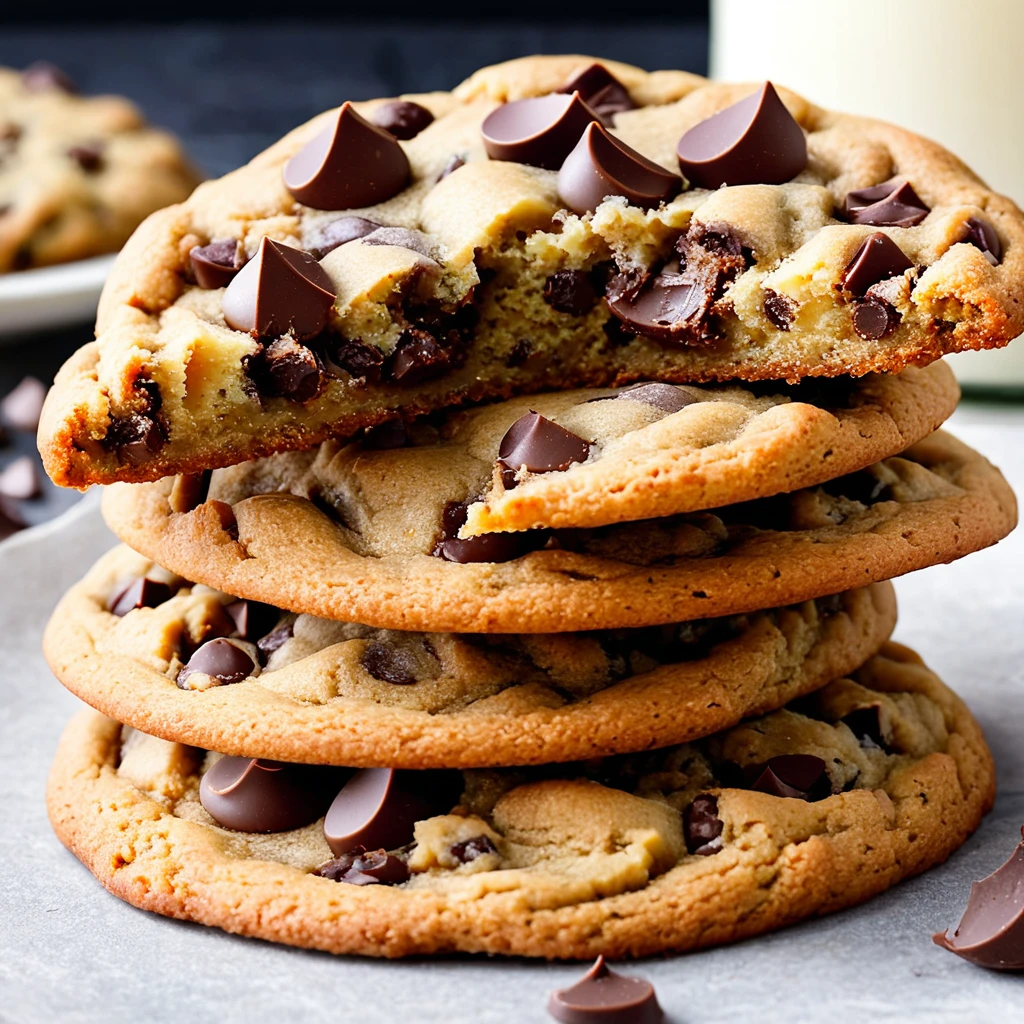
x=31, y=300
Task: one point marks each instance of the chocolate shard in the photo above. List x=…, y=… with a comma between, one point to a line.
x=88, y=156
x=602, y=996
x=702, y=828
x=874, y=318
x=800, y=776
x=601, y=165
x=221, y=659
x=363, y=867
x=339, y=232
x=215, y=265
x=601, y=91
x=280, y=290
x=486, y=547
x=389, y=664
x=877, y=259
x=378, y=807
x=255, y=795
x=41, y=76
x=402, y=118
x=755, y=141
x=252, y=619
x=570, y=291
x=140, y=593
x=350, y=164
x=540, y=131
x=893, y=204
x=22, y=406
x=982, y=235
x=666, y=397
x=20, y=480
x=540, y=445
x=991, y=930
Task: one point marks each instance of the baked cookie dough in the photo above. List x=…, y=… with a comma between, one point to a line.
x=395, y=257
x=886, y=773
x=302, y=688
x=349, y=541
x=77, y=174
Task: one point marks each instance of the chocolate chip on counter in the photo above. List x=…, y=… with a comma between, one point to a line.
x=287, y=369
x=358, y=359
x=702, y=828
x=877, y=259
x=280, y=290
x=892, y=204
x=666, y=397
x=800, y=776
x=221, y=660
x=601, y=91
x=454, y=163
x=991, y=929
x=140, y=593
x=22, y=406
x=362, y=867
x=215, y=265
x=252, y=619
x=88, y=156
x=540, y=131
x=755, y=141
x=338, y=232
x=389, y=664
x=603, y=997
x=406, y=238
x=539, y=445
x=42, y=75
x=570, y=291
x=601, y=165
x=779, y=309
x=874, y=318
x=486, y=547
x=866, y=726
x=255, y=795
x=386, y=436
x=418, y=357
x=378, y=807
x=350, y=164
x=469, y=849
x=982, y=235
x=275, y=639
x=402, y=118
x=11, y=520
x=20, y=479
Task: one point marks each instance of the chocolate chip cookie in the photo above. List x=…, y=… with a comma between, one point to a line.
x=520, y=234
x=807, y=810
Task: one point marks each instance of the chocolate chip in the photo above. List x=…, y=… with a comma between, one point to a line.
x=601, y=165
x=257, y=795
x=570, y=291
x=418, y=357
x=221, y=660
x=361, y=867
x=140, y=593
x=893, y=204
x=389, y=664
x=601, y=91
x=280, y=290
x=21, y=407
x=874, y=318
x=469, y=849
x=755, y=141
x=520, y=353
x=454, y=163
x=276, y=639
x=88, y=157
x=338, y=232
x=666, y=397
x=386, y=436
x=540, y=131
x=486, y=547
x=20, y=479
x=877, y=259
x=779, y=309
x=626, y=285
x=252, y=619
x=402, y=118
x=135, y=438
x=799, y=776
x=215, y=265
x=406, y=238
x=358, y=359
x=42, y=75
x=982, y=235
x=702, y=828
x=866, y=726
x=539, y=445
x=287, y=369
x=604, y=997
x=350, y=164
x=378, y=807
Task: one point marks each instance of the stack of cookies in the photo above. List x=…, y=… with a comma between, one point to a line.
x=510, y=481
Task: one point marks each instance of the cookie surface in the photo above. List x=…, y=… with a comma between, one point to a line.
x=480, y=283
x=311, y=534
x=591, y=858
x=341, y=693
x=77, y=174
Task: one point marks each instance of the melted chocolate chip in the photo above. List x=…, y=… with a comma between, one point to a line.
x=702, y=828
x=666, y=397
x=469, y=849
x=486, y=547
x=252, y=619
x=42, y=75
x=982, y=235
x=402, y=118
x=362, y=867
x=601, y=165
x=570, y=291
x=88, y=156
x=215, y=265
x=350, y=164
x=22, y=406
x=418, y=357
x=626, y=285
x=388, y=663
x=604, y=997
x=140, y=593
x=877, y=259
x=866, y=725
x=874, y=318
x=135, y=438
x=338, y=232
x=287, y=369
x=540, y=131
x=539, y=445
x=892, y=204
x=601, y=91
x=779, y=309
x=799, y=776
x=358, y=359
x=755, y=141
x=221, y=660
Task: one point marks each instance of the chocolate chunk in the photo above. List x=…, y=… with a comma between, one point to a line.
x=389, y=664
x=418, y=357
x=22, y=406
x=877, y=259
x=280, y=290
x=338, y=232
x=982, y=235
x=350, y=164
x=570, y=291
x=800, y=776
x=755, y=141
x=221, y=660
x=406, y=238
x=892, y=204
x=539, y=445
x=378, y=807
x=601, y=91
x=991, y=930
x=276, y=639
x=215, y=265
x=780, y=309
x=255, y=795
x=287, y=369
x=358, y=359
x=140, y=593
x=42, y=75
x=603, y=997
x=469, y=849
x=540, y=131
x=135, y=438
x=601, y=165
x=11, y=520
x=626, y=285
x=486, y=547
x=20, y=479
x=402, y=118
x=874, y=318
x=666, y=397
x=454, y=163
x=361, y=867
x=702, y=828
x=252, y=619
x=88, y=157
x=866, y=725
